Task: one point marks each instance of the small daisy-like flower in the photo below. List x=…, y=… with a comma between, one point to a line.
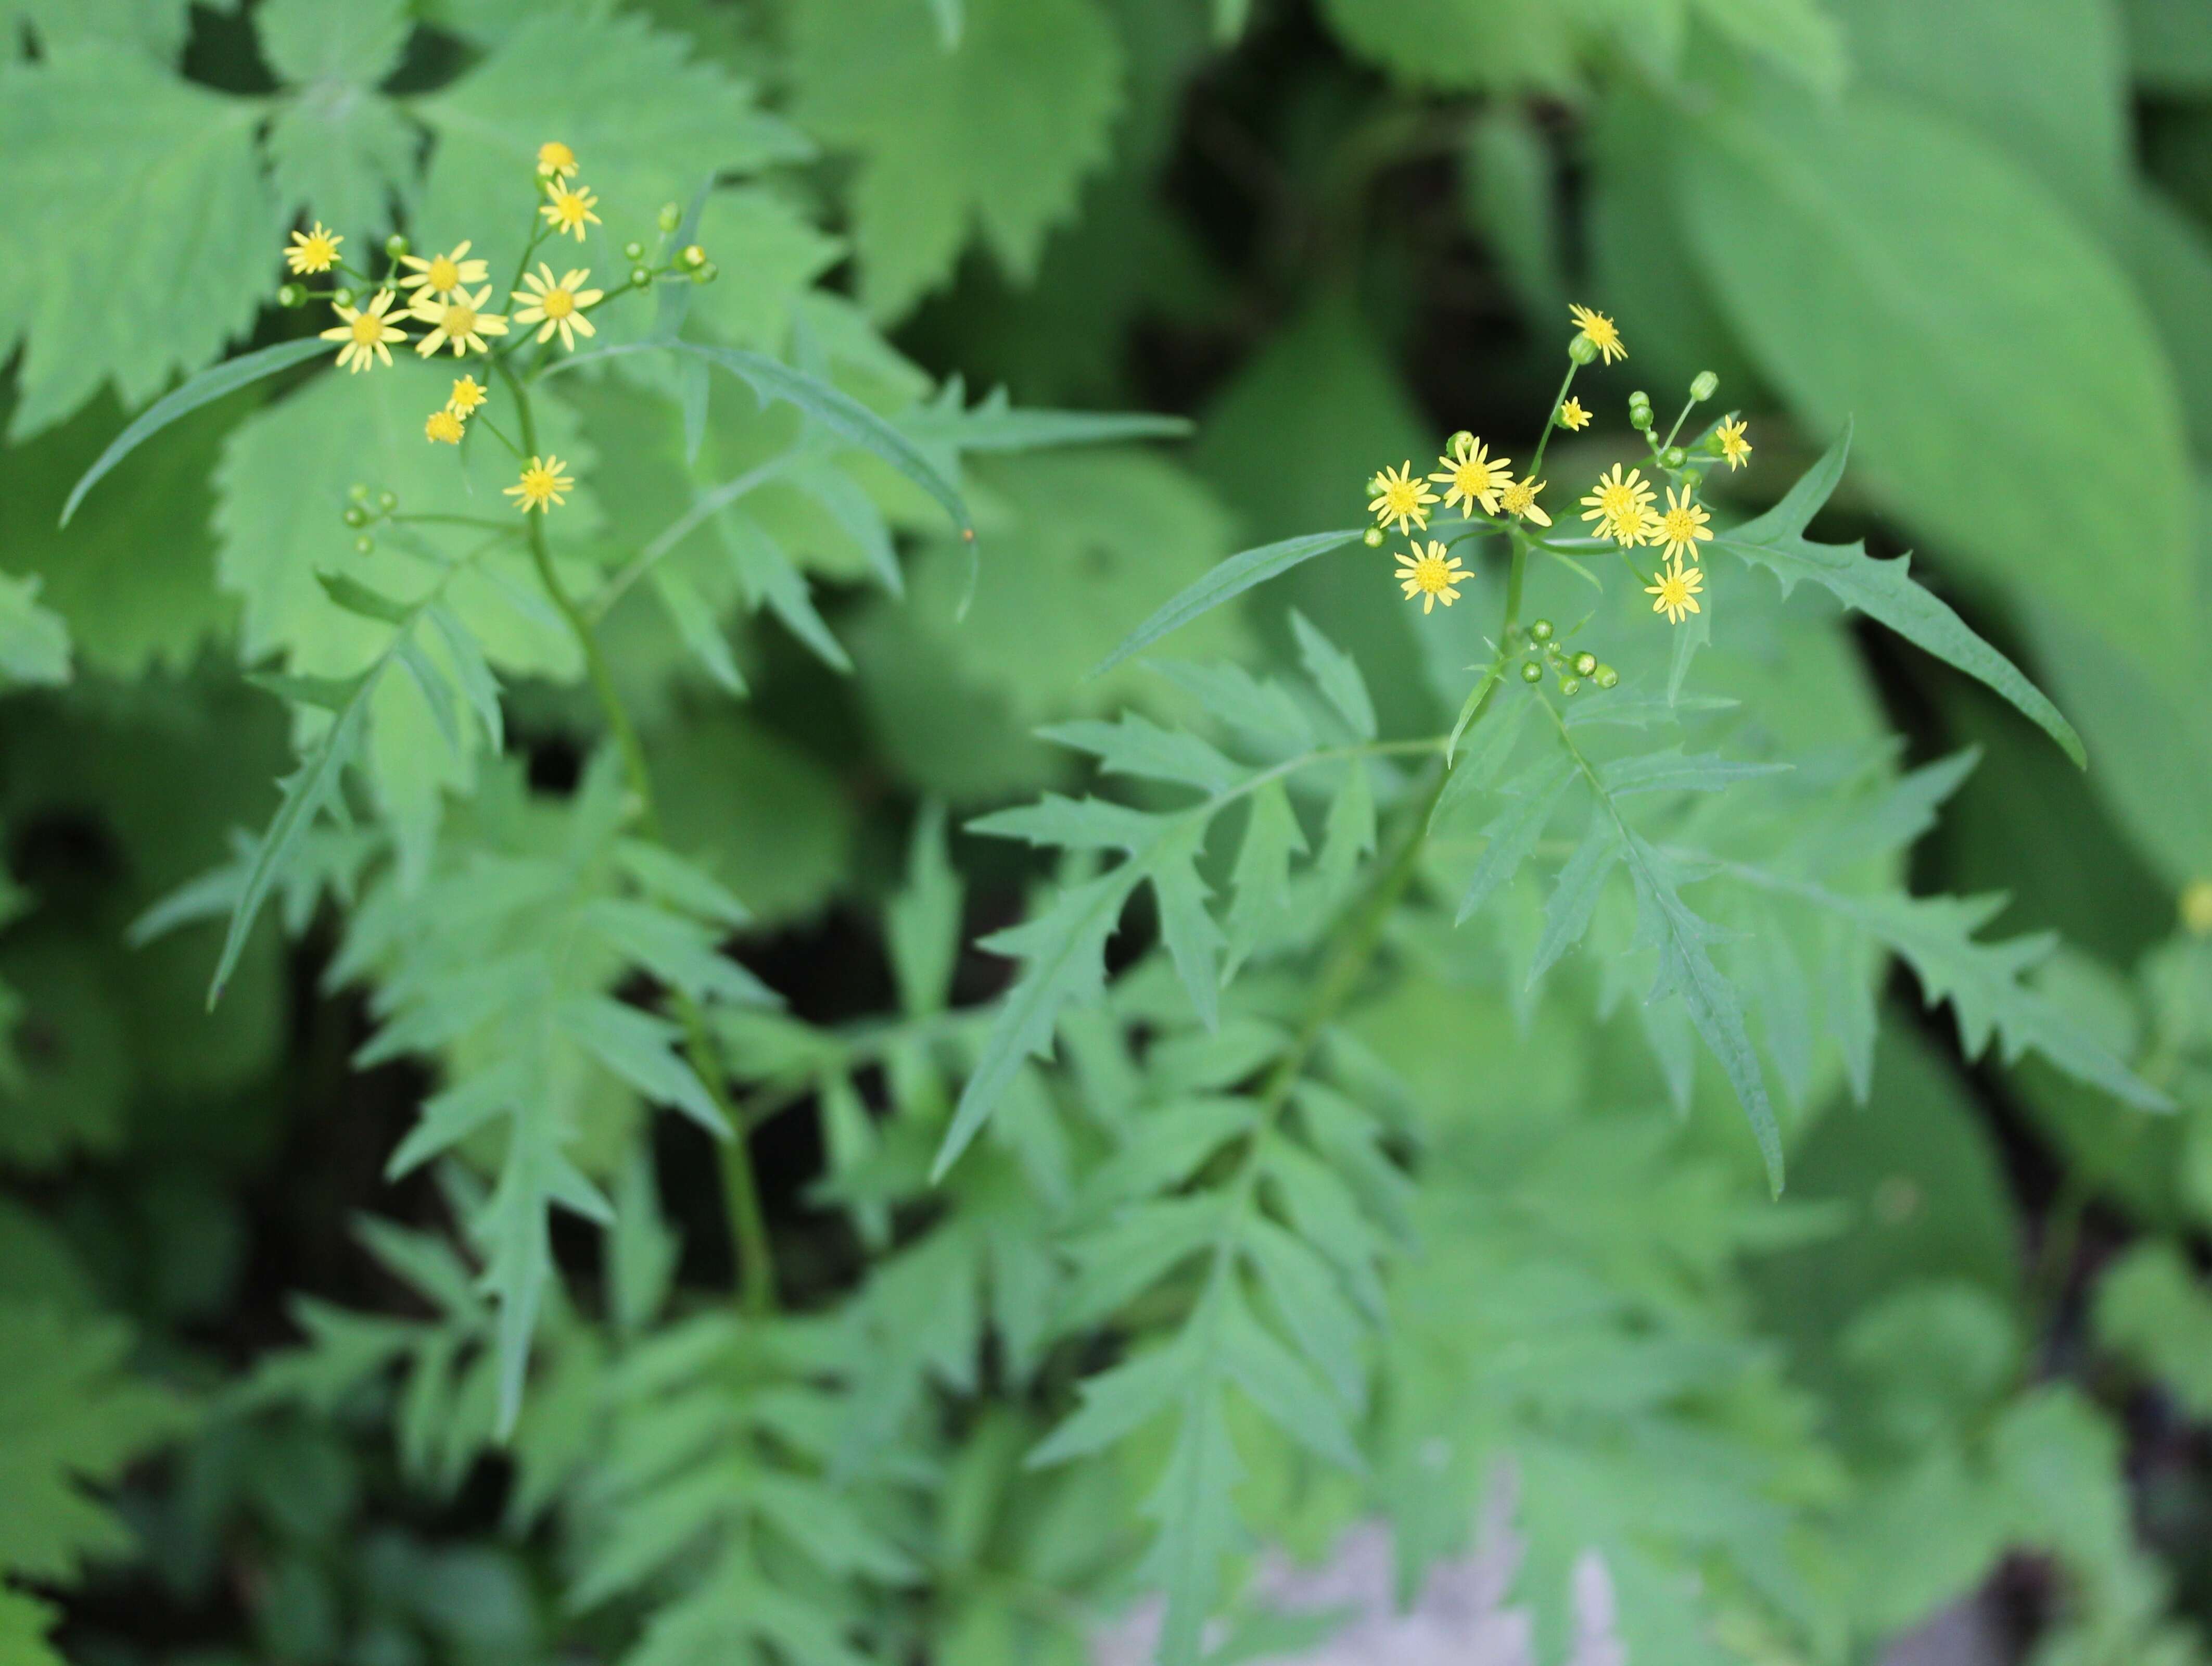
x=556, y=160
x=559, y=305
x=570, y=210
x=1473, y=475
x=1425, y=571
x=1401, y=497
x=543, y=483
x=442, y=274
x=1518, y=497
x=1572, y=416
x=1620, y=507
x=468, y=395
x=1600, y=332
x=444, y=427
x=461, y=320
x=1677, y=592
x=365, y=332
x=1734, y=446
x=1681, y=526
x=315, y=251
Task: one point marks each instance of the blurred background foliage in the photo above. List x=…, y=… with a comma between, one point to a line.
x=1327, y=232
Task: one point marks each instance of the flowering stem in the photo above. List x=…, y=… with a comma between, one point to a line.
x=1677, y=428
x=1537, y=465
x=748, y=1225
x=487, y=421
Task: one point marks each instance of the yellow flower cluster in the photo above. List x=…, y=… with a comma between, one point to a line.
x=450, y=291
x=450, y=421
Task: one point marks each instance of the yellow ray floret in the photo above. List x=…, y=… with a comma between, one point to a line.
x=1733, y=444
x=556, y=160
x=365, y=332
x=461, y=321
x=1620, y=507
x=1681, y=525
x=1572, y=416
x=468, y=393
x=1518, y=497
x=1425, y=571
x=1401, y=497
x=1677, y=591
x=570, y=210
x=315, y=251
x=543, y=482
x=1600, y=332
x=442, y=274
x=444, y=427
x=556, y=305
x=1473, y=476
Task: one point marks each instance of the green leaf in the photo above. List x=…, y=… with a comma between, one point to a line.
x=1261, y=878
x=996, y=135
x=1884, y=590
x=640, y=1049
x=1138, y=746
x=73, y=1417
x=1336, y=676
x=1513, y=836
x=1883, y=265
x=202, y=390
x=342, y=151
x=1575, y=895
x=2152, y=1308
x=119, y=168
x=993, y=424
x=1232, y=578
x=34, y=644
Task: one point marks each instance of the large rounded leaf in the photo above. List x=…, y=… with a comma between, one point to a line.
x=2010, y=397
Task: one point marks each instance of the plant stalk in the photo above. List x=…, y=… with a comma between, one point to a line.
x=748, y=1224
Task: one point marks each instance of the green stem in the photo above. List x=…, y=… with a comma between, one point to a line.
x=748, y=1225
x=1536, y=466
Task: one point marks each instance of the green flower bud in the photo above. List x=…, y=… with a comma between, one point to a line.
x=358, y=492
x=693, y=256
x=1541, y=631
x=1460, y=442
x=1581, y=350
x=1585, y=663
x=1705, y=386
x=341, y=297
x=1531, y=672
x=1639, y=397
x=707, y=274
x=633, y=250
x=1606, y=676
x=672, y=216
x=1673, y=456
x=395, y=245
x=639, y=278
x=387, y=500
x=364, y=545
x=1372, y=538
x=355, y=515
x=1570, y=686
x=293, y=296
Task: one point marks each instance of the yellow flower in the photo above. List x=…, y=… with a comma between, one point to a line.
x=1600, y=331
x=1572, y=416
x=1519, y=498
x=561, y=304
x=543, y=483
x=571, y=210
x=556, y=160
x=461, y=321
x=364, y=332
x=315, y=251
x=1733, y=444
x=1677, y=591
x=2197, y=907
x=443, y=426
x=1399, y=498
x=1621, y=508
x=468, y=395
x=442, y=274
x=1475, y=477
x=1424, y=571
x=1681, y=526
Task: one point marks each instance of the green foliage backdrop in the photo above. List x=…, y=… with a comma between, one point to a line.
x=925, y=1020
